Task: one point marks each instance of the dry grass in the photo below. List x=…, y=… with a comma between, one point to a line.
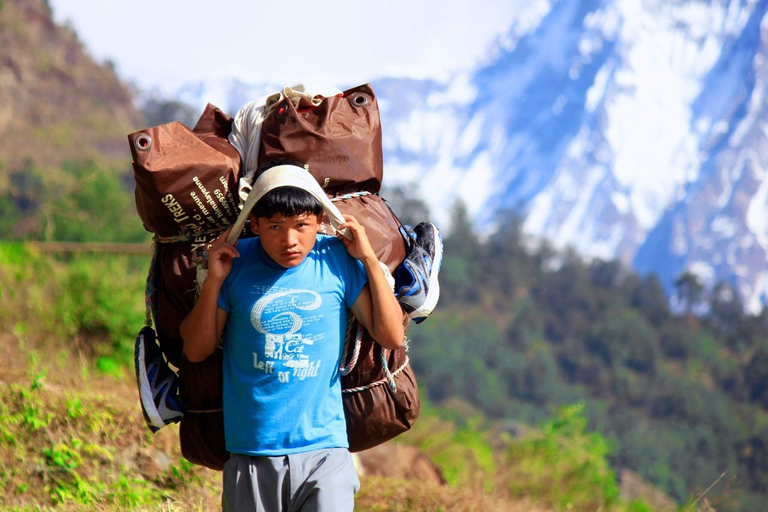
x=378, y=494
x=73, y=439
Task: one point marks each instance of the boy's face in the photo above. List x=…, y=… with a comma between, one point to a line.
x=287, y=240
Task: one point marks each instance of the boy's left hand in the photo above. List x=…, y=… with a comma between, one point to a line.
x=358, y=246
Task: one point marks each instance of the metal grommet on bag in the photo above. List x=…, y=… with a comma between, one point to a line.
x=359, y=99
x=143, y=142
x=282, y=109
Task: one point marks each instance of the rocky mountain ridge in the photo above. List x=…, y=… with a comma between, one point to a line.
x=625, y=130
x=57, y=103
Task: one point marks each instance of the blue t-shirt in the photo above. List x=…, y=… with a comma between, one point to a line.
x=282, y=348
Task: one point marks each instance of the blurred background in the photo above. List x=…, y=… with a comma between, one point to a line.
x=598, y=169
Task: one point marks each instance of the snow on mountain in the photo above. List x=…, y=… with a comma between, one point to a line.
x=629, y=129
x=719, y=228
x=609, y=126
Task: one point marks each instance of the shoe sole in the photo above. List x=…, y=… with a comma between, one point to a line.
x=151, y=414
x=433, y=293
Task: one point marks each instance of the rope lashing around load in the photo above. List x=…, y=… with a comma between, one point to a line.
x=186, y=237
x=356, y=351
x=202, y=411
x=389, y=376
x=322, y=228
x=390, y=379
x=150, y=284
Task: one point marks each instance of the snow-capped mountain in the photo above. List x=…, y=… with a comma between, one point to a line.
x=626, y=129
x=633, y=129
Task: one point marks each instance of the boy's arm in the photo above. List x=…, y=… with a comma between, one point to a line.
x=202, y=328
x=376, y=307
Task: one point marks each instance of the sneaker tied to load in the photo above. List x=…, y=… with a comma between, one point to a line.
x=158, y=383
x=416, y=285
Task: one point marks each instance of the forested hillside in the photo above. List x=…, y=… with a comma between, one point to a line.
x=62, y=116
x=522, y=329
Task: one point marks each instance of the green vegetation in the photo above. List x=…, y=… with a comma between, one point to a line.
x=566, y=464
x=87, y=448
x=560, y=467
x=91, y=205
x=521, y=332
x=91, y=302
x=462, y=450
x=82, y=451
x=79, y=201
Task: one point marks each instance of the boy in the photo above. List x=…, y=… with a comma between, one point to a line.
x=281, y=302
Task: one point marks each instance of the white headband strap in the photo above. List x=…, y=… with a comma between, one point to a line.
x=285, y=176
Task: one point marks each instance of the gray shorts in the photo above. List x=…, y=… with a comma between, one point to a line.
x=322, y=480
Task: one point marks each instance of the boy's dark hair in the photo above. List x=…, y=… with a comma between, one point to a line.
x=288, y=202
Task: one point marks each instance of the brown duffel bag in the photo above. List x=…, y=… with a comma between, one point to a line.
x=185, y=183
x=381, y=397
x=379, y=390
x=186, y=179
x=201, y=431
x=340, y=140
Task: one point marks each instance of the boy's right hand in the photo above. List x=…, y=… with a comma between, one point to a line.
x=220, y=257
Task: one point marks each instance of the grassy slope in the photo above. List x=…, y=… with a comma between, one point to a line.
x=72, y=437
x=72, y=434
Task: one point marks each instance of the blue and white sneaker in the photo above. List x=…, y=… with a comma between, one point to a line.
x=158, y=384
x=416, y=285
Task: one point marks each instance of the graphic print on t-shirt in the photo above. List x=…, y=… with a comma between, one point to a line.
x=283, y=317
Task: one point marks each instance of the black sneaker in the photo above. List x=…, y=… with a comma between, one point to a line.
x=416, y=285
x=158, y=384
